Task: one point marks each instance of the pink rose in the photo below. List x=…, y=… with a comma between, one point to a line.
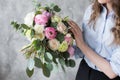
x=71, y=51
x=43, y=18
x=69, y=39
x=50, y=32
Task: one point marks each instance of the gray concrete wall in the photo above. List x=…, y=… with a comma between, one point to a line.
x=12, y=62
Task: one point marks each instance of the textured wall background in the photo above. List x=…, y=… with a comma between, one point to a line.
x=12, y=62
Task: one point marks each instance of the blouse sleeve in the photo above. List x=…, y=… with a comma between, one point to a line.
x=88, y=11
x=115, y=61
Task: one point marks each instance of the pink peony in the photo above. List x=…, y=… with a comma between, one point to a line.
x=71, y=51
x=43, y=18
x=50, y=32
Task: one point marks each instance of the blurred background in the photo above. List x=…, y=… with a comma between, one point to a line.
x=12, y=62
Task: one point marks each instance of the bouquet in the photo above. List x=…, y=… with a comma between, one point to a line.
x=51, y=41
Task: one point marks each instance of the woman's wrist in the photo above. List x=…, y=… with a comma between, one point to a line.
x=82, y=45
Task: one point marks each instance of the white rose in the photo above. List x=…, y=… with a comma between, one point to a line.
x=54, y=44
x=39, y=28
x=28, y=20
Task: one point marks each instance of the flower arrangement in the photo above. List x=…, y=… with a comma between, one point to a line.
x=51, y=41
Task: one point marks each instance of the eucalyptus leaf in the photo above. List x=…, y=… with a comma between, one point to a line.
x=39, y=51
x=49, y=66
x=60, y=37
x=32, y=33
x=52, y=5
x=24, y=26
x=54, y=24
x=46, y=71
x=29, y=73
x=15, y=25
x=31, y=64
x=62, y=61
x=38, y=62
x=56, y=8
x=66, y=55
x=48, y=57
x=72, y=63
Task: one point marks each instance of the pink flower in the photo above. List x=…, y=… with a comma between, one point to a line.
x=43, y=18
x=69, y=39
x=71, y=51
x=50, y=32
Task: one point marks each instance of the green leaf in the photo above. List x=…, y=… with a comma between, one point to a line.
x=56, y=8
x=67, y=63
x=65, y=55
x=54, y=24
x=28, y=55
x=55, y=61
x=15, y=25
x=37, y=12
x=24, y=26
x=60, y=37
x=32, y=33
x=62, y=61
x=40, y=51
x=48, y=57
x=52, y=5
x=38, y=62
x=72, y=63
x=31, y=64
x=66, y=18
x=49, y=66
x=29, y=73
x=37, y=44
x=46, y=71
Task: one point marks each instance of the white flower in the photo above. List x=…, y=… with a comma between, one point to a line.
x=68, y=35
x=28, y=20
x=61, y=28
x=39, y=28
x=56, y=18
x=40, y=36
x=54, y=44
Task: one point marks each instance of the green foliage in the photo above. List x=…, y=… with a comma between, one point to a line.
x=15, y=25
x=61, y=61
x=70, y=63
x=48, y=57
x=46, y=71
x=37, y=44
x=29, y=73
x=49, y=66
x=56, y=8
x=60, y=37
x=32, y=33
x=24, y=26
x=54, y=24
x=38, y=62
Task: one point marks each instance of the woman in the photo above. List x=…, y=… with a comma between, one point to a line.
x=99, y=41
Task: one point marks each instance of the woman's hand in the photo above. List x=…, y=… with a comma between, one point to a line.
x=76, y=32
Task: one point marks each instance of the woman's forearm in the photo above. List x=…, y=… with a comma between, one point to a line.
x=99, y=61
